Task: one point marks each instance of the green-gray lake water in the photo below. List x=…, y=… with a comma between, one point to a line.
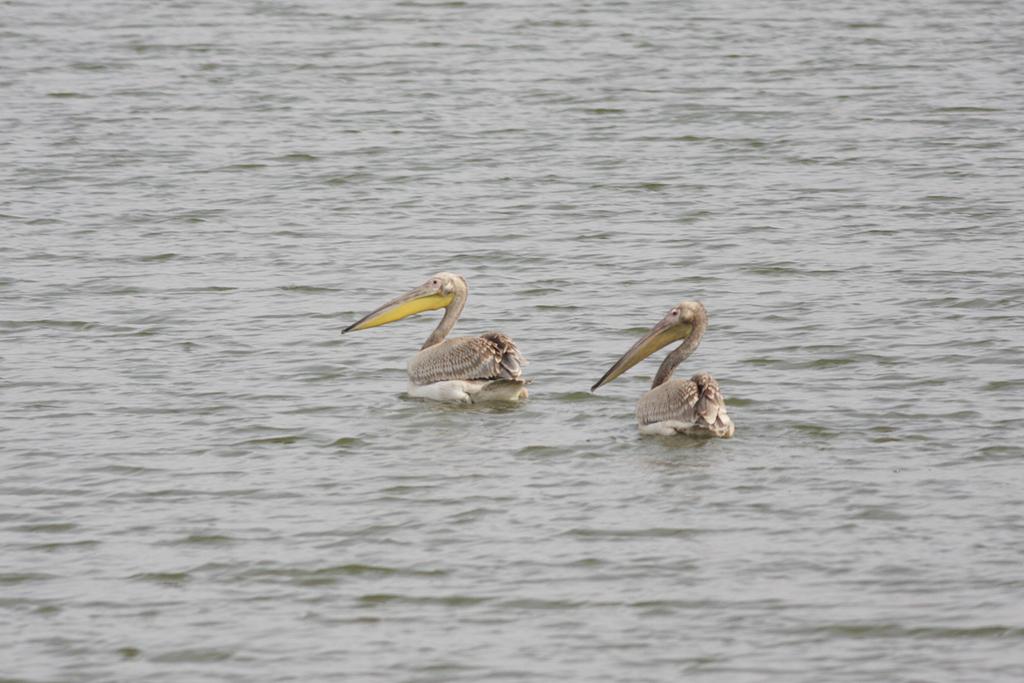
x=203, y=481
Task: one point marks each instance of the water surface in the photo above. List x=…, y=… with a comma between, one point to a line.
x=204, y=481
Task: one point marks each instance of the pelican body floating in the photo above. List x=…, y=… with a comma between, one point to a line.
x=461, y=369
x=676, y=406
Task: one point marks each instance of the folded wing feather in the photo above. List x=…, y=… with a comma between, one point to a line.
x=489, y=356
x=696, y=401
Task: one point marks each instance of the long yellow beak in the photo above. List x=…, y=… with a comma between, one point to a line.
x=418, y=300
x=661, y=334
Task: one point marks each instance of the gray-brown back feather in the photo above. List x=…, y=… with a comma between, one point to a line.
x=489, y=356
x=697, y=401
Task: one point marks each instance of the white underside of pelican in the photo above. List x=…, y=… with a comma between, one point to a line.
x=672, y=427
x=470, y=391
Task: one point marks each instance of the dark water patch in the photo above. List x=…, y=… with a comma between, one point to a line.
x=763, y=361
x=203, y=540
x=67, y=545
x=312, y=410
x=308, y=289
x=885, y=630
x=193, y=656
x=380, y=599
x=295, y=234
x=669, y=605
x=93, y=66
x=815, y=430
x=238, y=168
x=409, y=488
x=879, y=513
x=326, y=576
x=196, y=216
x=446, y=670
x=163, y=578
x=145, y=332
x=214, y=289
x=468, y=516
x=979, y=303
x=127, y=470
x=955, y=415
x=17, y=578
x=320, y=373
x=47, y=528
x=158, y=258
x=995, y=453
x=827, y=362
x=347, y=442
x=791, y=270
x=297, y=157
x=347, y=179
x=967, y=109
x=655, y=532
x=361, y=569
x=81, y=325
x=1004, y=385
x=530, y=604
x=283, y=440
x=186, y=494
x=540, y=451
x=602, y=111
x=882, y=429
x=104, y=289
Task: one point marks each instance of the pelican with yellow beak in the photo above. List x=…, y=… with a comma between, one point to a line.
x=461, y=369
x=676, y=406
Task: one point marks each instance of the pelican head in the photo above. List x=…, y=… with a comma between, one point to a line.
x=679, y=323
x=437, y=292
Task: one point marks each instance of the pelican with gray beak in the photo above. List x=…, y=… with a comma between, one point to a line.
x=461, y=369
x=692, y=406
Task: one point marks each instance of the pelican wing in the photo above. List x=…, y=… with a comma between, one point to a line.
x=697, y=401
x=489, y=356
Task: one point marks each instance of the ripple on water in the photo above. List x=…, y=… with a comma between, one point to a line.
x=16, y=578
x=193, y=656
x=163, y=578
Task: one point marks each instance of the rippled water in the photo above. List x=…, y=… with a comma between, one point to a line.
x=204, y=481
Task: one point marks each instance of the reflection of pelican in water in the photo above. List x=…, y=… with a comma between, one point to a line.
x=676, y=406
x=462, y=369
